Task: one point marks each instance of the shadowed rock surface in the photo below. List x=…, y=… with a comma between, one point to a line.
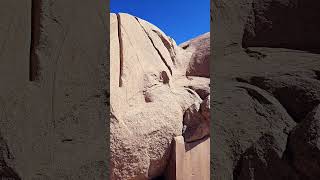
x=150, y=96
x=53, y=107
x=265, y=91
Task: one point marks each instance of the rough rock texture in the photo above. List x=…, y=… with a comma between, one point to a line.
x=283, y=23
x=265, y=98
x=199, y=62
x=267, y=23
x=53, y=126
x=196, y=122
x=150, y=94
x=304, y=146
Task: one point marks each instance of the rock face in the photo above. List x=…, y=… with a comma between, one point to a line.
x=266, y=99
x=150, y=95
x=304, y=146
x=268, y=23
x=199, y=62
x=53, y=125
x=283, y=23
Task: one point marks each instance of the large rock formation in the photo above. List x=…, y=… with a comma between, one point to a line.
x=150, y=94
x=266, y=99
x=53, y=124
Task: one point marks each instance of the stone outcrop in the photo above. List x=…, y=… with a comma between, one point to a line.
x=304, y=147
x=266, y=90
x=199, y=62
x=150, y=96
x=266, y=23
x=53, y=107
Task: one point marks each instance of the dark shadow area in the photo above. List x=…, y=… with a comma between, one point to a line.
x=291, y=24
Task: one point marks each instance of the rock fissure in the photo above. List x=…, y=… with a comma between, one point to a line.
x=159, y=53
x=35, y=38
x=120, y=50
x=167, y=45
x=143, y=126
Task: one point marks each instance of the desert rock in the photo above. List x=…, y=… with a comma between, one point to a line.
x=304, y=147
x=150, y=94
x=266, y=89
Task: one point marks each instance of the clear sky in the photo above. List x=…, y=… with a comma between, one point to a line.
x=179, y=19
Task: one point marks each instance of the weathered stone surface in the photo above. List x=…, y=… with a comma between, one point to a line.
x=304, y=146
x=263, y=161
x=264, y=23
x=196, y=121
x=199, y=63
x=205, y=109
x=196, y=126
x=255, y=43
x=283, y=23
x=242, y=114
x=149, y=97
x=53, y=127
x=199, y=84
x=239, y=121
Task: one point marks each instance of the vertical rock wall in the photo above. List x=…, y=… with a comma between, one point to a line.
x=54, y=123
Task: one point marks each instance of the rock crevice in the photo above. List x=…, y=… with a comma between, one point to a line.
x=148, y=109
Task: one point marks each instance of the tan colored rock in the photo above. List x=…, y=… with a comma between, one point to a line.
x=189, y=161
x=200, y=85
x=199, y=64
x=148, y=98
x=142, y=128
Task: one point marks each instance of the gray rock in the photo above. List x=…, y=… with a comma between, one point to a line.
x=304, y=146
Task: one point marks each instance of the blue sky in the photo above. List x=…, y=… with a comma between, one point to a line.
x=179, y=19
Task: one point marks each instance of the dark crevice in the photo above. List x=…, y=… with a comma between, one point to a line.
x=191, y=144
x=164, y=77
x=241, y=80
x=35, y=38
x=317, y=73
x=162, y=58
x=255, y=54
x=185, y=46
x=288, y=157
x=256, y=95
x=162, y=177
x=168, y=46
x=67, y=140
x=203, y=93
x=121, y=50
x=237, y=169
x=6, y=172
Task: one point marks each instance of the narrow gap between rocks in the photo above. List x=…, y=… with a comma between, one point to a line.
x=317, y=72
x=6, y=172
x=35, y=38
x=121, y=50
